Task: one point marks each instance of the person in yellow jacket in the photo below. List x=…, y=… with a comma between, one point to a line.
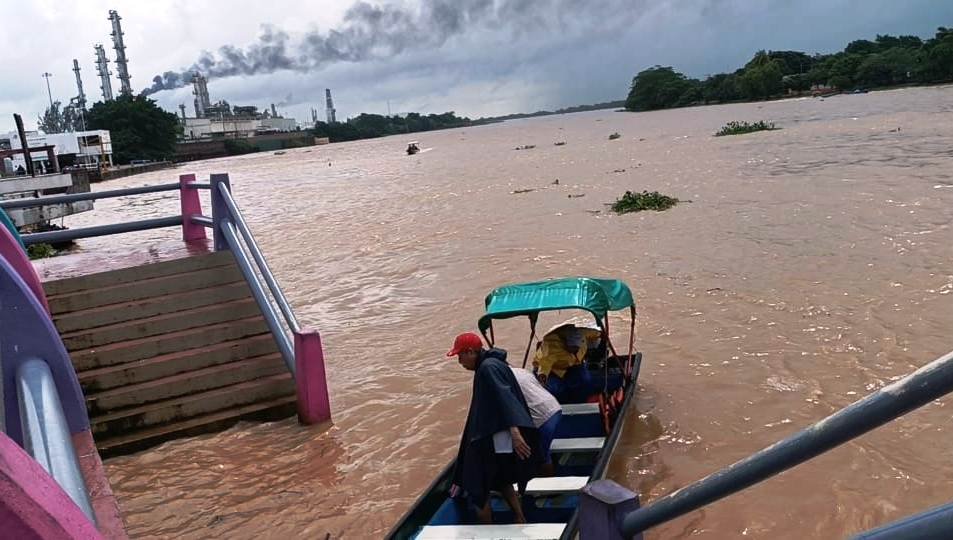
x=559, y=362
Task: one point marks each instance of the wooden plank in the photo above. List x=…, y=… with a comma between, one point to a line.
x=580, y=408
x=528, y=531
x=556, y=484
x=578, y=444
x=111, y=278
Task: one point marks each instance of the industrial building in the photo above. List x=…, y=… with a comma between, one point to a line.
x=80, y=149
x=221, y=119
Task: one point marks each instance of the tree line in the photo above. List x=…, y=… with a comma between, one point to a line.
x=885, y=61
x=367, y=126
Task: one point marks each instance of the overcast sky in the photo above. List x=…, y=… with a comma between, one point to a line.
x=475, y=57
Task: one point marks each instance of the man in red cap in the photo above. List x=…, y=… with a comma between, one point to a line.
x=500, y=443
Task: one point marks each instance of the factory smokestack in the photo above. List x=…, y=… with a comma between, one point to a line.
x=122, y=63
x=329, y=105
x=102, y=69
x=200, y=90
x=81, y=95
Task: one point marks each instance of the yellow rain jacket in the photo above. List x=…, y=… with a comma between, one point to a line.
x=552, y=356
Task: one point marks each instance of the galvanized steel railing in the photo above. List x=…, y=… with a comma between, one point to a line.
x=919, y=388
x=231, y=232
x=46, y=436
x=99, y=230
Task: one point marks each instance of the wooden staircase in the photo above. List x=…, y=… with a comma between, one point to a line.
x=169, y=350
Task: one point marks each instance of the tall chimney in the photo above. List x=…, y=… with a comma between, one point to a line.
x=200, y=91
x=81, y=96
x=122, y=63
x=330, y=106
x=102, y=69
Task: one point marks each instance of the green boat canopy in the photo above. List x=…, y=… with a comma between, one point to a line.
x=597, y=296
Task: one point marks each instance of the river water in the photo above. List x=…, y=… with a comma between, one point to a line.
x=806, y=267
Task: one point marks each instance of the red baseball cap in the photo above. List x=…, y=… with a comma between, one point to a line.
x=465, y=342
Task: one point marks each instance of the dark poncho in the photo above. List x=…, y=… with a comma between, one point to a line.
x=497, y=404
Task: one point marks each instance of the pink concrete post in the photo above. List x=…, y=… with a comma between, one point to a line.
x=314, y=404
x=32, y=504
x=105, y=507
x=11, y=250
x=191, y=206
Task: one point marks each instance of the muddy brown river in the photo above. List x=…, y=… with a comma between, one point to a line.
x=805, y=268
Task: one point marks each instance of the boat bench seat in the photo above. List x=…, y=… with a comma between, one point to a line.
x=555, y=485
x=527, y=531
x=578, y=444
x=580, y=408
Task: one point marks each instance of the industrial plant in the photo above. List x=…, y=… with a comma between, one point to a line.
x=221, y=119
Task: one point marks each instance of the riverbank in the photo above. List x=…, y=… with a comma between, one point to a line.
x=122, y=171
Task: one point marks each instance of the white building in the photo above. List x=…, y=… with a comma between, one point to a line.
x=235, y=126
x=87, y=149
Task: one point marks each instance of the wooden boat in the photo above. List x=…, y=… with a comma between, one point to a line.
x=413, y=147
x=585, y=438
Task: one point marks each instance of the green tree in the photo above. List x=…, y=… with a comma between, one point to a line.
x=52, y=120
x=874, y=70
x=843, y=70
x=761, y=80
x=861, y=46
x=903, y=63
x=658, y=88
x=720, y=88
x=937, y=59
x=138, y=127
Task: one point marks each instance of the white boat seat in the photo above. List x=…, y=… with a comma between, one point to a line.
x=527, y=531
x=580, y=408
x=555, y=485
x=578, y=444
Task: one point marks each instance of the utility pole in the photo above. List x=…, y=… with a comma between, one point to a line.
x=46, y=75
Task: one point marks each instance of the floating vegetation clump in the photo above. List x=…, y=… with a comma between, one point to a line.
x=637, y=202
x=40, y=251
x=615, y=136
x=740, y=128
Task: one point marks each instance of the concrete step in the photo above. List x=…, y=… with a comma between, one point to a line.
x=166, y=365
x=143, y=288
x=140, y=309
x=140, y=439
x=161, y=324
x=137, y=273
x=174, y=410
x=148, y=347
x=181, y=384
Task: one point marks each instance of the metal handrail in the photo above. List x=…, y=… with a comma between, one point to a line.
x=271, y=318
x=203, y=220
x=892, y=401
x=68, y=235
x=46, y=436
x=239, y=222
x=936, y=522
x=30, y=202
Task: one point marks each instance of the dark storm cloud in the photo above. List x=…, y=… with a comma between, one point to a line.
x=377, y=31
